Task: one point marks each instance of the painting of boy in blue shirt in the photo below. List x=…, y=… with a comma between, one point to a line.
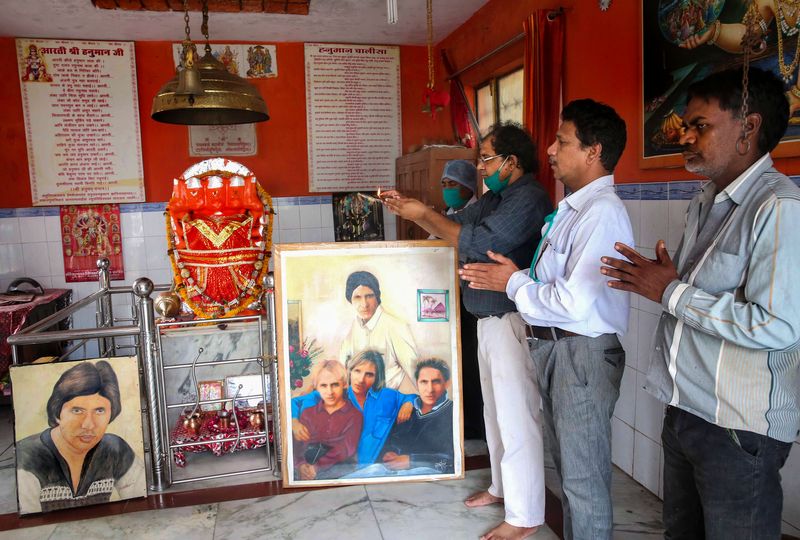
x=380, y=406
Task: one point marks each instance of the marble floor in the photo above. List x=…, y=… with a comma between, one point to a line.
x=420, y=511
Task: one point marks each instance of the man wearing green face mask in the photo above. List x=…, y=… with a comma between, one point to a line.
x=507, y=219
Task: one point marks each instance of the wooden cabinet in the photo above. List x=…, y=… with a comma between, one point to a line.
x=419, y=176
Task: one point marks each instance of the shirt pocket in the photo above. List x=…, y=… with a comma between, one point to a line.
x=721, y=272
x=382, y=426
x=552, y=264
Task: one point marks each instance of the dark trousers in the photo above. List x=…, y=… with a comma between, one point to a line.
x=720, y=484
x=470, y=377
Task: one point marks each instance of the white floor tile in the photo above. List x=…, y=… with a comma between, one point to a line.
x=311, y=515
x=195, y=522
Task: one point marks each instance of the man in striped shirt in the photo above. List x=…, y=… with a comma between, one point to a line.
x=725, y=356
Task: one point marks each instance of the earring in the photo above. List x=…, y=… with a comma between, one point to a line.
x=742, y=149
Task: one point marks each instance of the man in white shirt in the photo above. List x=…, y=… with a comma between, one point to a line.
x=574, y=316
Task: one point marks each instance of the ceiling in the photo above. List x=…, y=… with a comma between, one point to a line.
x=328, y=21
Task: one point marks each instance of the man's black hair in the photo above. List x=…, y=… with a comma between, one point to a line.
x=434, y=363
x=598, y=123
x=85, y=379
x=359, y=278
x=765, y=97
x=510, y=138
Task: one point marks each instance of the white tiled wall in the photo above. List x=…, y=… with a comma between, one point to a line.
x=30, y=245
x=636, y=426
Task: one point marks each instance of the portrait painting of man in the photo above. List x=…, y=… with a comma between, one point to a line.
x=391, y=409
x=78, y=434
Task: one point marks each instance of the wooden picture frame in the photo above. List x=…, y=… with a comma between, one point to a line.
x=668, y=70
x=380, y=317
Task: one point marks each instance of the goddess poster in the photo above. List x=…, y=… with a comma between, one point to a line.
x=372, y=393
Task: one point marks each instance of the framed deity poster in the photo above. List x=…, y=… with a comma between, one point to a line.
x=684, y=42
x=372, y=393
x=89, y=410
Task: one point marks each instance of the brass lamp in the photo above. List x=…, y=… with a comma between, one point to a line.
x=204, y=92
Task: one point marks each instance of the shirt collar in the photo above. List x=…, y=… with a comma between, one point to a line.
x=578, y=199
x=373, y=321
x=737, y=189
x=524, y=179
x=442, y=400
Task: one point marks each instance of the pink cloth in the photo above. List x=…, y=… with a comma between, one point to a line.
x=14, y=317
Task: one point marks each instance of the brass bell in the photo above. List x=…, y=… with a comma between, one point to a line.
x=226, y=98
x=189, y=82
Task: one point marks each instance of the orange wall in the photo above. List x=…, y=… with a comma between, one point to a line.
x=602, y=61
x=281, y=164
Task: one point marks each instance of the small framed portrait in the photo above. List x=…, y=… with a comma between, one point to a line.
x=433, y=305
x=210, y=390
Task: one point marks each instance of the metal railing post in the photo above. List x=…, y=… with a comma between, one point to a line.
x=105, y=312
x=142, y=288
x=272, y=354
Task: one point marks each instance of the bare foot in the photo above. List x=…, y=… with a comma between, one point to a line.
x=482, y=498
x=504, y=531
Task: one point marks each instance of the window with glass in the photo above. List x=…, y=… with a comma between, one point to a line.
x=499, y=100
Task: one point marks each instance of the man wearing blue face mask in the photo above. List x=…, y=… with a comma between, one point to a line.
x=507, y=219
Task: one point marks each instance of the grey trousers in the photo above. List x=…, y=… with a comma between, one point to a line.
x=579, y=381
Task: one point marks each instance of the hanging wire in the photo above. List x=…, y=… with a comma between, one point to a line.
x=188, y=47
x=430, y=44
x=750, y=42
x=204, y=26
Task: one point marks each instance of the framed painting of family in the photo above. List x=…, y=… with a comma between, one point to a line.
x=371, y=392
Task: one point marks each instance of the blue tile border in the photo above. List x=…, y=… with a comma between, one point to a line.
x=654, y=191
x=680, y=190
x=628, y=192
x=684, y=191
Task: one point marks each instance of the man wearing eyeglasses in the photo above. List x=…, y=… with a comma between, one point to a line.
x=507, y=219
x=574, y=316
